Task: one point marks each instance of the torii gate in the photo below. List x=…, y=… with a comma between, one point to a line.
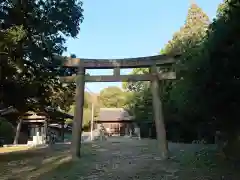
x=151, y=62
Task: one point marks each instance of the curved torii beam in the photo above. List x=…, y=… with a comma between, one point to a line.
x=151, y=62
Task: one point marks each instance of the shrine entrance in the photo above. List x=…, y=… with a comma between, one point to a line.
x=151, y=62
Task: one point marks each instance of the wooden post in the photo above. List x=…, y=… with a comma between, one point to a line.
x=119, y=129
x=18, y=131
x=158, y=114
x=116, y=71
x=149, y=132
x=130, y=131
x=126, y=129
x=46, y=130
x=78, y=114
x=62, y=131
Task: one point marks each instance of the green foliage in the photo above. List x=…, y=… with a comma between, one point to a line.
x=112, y=97
x=136, y=86
x=87, y=117
x=205, y=95
x=31, y=33
x=191, y=33
x=87, y=110
x=179, y=98
x=6, y=131
x=184, y=97
x=223, y=51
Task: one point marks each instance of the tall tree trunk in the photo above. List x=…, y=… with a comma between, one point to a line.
x=18, y=132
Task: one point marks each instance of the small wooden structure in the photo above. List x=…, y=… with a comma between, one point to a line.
x=32, y=123
x=8, y=110
x=151, y=62
x=117, y=120
x=43, y=122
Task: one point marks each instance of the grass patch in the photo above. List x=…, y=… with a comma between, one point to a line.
x=71, y=169
x=201, y=159
x=205, y=164
x=33, y=167
x=18, y=153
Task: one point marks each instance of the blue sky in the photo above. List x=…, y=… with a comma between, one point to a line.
x=129, y=28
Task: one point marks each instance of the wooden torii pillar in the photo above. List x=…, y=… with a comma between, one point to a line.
x=78, y=114
x=142, y=62
x=158, y=114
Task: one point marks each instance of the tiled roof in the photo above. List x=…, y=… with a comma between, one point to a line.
x=112, y=114
x=8, y=110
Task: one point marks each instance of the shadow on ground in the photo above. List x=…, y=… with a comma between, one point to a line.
x=123, y=158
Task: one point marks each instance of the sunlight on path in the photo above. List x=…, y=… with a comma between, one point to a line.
x=13, y=148
x=119, y=158
x=125, y=158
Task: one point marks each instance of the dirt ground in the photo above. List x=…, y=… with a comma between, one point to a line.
x=12, y=149
x=120, y=159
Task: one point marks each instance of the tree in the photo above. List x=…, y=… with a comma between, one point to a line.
x=211, y=74
x=215, y=74
x=32, y=32
x=175, y=94
x=222, y=55
x=112, y=97
x=6, y=131
x=136, y=86
x=179, y=96
x=89, y=98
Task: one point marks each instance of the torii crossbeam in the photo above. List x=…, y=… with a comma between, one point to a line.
x=151, y=62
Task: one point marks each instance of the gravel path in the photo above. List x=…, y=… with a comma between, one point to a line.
x=121, y=159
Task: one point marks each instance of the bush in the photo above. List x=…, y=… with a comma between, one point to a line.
x=6, y=131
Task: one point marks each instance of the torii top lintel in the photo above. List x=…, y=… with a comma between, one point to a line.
x=138, y=62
